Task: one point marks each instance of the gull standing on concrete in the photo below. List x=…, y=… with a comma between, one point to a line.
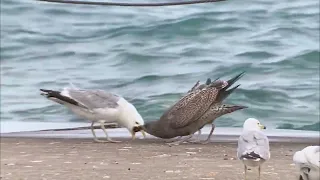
x=98, y=106
x=308, y=162
x=185, y=117
x=253, y=145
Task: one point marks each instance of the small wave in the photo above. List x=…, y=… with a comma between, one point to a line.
x=193, y=22
x=263, y=96
x=10, y=85
x=224, y=70
x=57, y=12
x=112, y=83
x=149, y=78
x=34, y=112
x=186, y=26
x=294, y=9
x=306, y=59
x=310, y=127
x=257, y=54
x=166, y=96
x=8, y=2
x=135, y=58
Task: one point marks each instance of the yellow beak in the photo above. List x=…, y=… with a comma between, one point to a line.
x=262, y=126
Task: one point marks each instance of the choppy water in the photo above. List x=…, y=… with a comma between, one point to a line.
x=152, y=56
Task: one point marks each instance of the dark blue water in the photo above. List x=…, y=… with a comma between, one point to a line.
x=152, y=56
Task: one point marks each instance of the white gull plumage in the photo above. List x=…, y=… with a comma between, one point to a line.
x=253, y=145
x=98, y=106
x=308, y=162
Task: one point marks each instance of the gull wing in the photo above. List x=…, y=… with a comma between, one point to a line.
x=192, y=106
x=93, y=99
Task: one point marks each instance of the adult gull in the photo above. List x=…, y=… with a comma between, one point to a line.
x=308, y=162
x=98, y=106
x=253, y=145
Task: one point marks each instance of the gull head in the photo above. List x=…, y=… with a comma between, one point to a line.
x=253, y=124
x=134, y=124
x=136, y=128
x=130, y=118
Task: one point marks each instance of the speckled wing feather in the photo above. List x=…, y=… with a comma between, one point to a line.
x=192, y=106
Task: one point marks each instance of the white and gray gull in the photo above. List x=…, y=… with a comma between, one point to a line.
x=190, y=113
x=98, y=106
x=308, y=163
x=253, y=145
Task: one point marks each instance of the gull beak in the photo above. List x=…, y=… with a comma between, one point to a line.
x=137, y=129
x=262, y=126
x=134, y=134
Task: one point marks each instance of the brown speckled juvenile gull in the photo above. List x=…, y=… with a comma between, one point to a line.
x=190, y=113
x=217, y=109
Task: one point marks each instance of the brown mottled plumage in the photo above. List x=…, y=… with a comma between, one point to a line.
x=191, y=112
x=218, y=109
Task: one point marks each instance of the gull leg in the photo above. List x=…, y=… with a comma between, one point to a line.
x=94, y=134
x=198, y=138
x=259, y=172
x=245, y=172
x=180, y=141
x=208, y=138
x=304, y=173
x=105, y=132
x=210, y=134
x=303, y=177
x=199, y=134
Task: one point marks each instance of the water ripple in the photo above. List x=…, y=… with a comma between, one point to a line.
x=152, y=57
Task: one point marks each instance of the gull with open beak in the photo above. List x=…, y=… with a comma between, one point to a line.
x=98, y=106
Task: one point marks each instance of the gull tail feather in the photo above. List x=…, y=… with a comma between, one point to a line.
x=225, y=93
x=56, y=96
x=226, y=109
x=209, y=81
x=234, y=79
x=230, y=81
x=251, y=155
